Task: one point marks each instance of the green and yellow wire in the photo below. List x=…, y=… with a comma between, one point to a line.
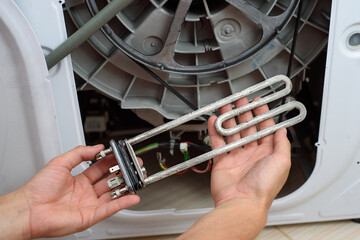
x=147, y=148
x=163, y=166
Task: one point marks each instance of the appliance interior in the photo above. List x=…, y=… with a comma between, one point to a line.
x=119, y=100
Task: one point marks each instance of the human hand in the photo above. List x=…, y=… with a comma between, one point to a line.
x=254, y=173
x=60, y=204
x=245, y=181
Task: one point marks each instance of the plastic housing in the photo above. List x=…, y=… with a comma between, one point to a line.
x=331, y=192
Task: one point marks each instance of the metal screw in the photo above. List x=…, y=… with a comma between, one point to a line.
x=118, y=192
x=103, y=154
x=227, y=30
x=143, y=170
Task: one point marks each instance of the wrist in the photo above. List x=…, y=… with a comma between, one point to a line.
x=233, y=219
x=15, y=215
x=255, y=203
x=252, y=211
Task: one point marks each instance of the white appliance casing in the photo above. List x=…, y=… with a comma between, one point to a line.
x=51, y=112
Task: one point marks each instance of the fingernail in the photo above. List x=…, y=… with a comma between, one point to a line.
x=284, y=131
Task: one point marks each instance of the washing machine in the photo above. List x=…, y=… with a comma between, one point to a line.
x=104, y=91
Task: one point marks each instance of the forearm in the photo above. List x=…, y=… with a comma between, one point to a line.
x=14, y=216
x=235, y=219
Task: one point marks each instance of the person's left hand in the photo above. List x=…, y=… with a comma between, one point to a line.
x=60, y=204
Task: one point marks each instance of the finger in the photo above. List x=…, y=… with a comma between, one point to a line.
x=264, y=124
x=101, y=186
x=79, y=154
x=246, y=117
x=282, y=144
x=282, y=149
x=229, y=124
x=105, y=197
x=140, y=161
x=216, y=140
x=101, y=168
x=276, y=166
x=109, y=206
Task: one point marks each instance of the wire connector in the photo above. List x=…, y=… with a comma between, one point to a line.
x=114, y=169
x=184, y=147
x=115, y=182
x=160, y=158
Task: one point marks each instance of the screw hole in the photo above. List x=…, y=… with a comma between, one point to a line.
x=354, y=40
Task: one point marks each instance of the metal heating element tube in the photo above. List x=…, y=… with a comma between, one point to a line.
x=211, y=107
x=227, y=148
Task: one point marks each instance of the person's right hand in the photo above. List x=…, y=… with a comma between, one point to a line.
x=255, y=172
x=245, y=181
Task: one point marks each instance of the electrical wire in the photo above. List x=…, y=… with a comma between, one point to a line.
x=147, y=148
x=170, y=88
x=207, y=169
x=186, y=157
x=293, y=48
x=165, y=84
x=296, y=33
x=163, y=166
x=204, y=148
